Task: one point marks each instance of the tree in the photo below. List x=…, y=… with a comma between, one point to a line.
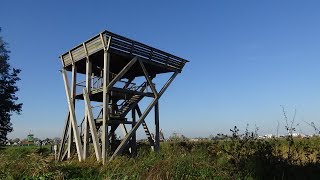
x=8, y=89
x=16, y=140
x=56, y=140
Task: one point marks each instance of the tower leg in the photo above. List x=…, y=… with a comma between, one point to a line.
x=157, y=133
x=72, y=116
x=73, y=91
x=106, y=99
x=86, y=127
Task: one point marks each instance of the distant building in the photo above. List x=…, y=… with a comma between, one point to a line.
x=268, y=136
x=194, y=139
x=30, y=137
x=298, y=135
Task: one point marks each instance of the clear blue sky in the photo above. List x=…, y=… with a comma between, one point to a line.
x=246, y=59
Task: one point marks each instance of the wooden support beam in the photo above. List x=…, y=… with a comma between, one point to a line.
x=146, y=129
x=141, y=119
x=62, y=61
x=157, y=133
x=73, y=95
x=125, y=132
x=122, y=72
x=92, y=125
x=146, y=74
x=64, y=154
x=123, y=129
x=105, y=114
x=88, y=87
x=125, y=91
x=72, y=116
x=134, y=136
x=64, y=137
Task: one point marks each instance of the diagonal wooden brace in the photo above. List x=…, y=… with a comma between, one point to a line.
x=72, y=116
x=148, y=79
x=141, y=119
x=151, y=141
x=92, y=125
x=64, y=137
x=122, y=72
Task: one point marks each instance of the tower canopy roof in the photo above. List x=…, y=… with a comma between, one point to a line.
x=121, y=50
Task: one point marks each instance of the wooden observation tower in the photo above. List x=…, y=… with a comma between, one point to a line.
x=112, y=67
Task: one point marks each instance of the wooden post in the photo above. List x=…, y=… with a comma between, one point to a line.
x=73, y=91
x=106, y=99
x=88, y=87
x=64, y=136
x=157, y=133
x=134, y=136
x=146, y=74
x=72, y=116
x=92, y=125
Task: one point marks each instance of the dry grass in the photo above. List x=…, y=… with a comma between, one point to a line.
x=221, y=159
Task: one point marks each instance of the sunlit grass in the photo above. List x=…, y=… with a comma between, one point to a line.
x=220, y=159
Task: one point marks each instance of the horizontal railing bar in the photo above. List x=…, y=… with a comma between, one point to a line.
x=141, y=44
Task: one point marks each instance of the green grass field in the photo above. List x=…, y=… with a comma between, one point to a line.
x=236, y=157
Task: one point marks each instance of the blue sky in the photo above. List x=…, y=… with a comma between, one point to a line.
x=246, y=59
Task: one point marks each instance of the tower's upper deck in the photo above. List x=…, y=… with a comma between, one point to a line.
x=121, y=50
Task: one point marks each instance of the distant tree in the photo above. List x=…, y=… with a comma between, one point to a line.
x=8, y=89
x=177, y=137
x=56, y=140
x=16, y=140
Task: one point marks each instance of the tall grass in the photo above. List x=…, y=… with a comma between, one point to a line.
x=238, y=156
